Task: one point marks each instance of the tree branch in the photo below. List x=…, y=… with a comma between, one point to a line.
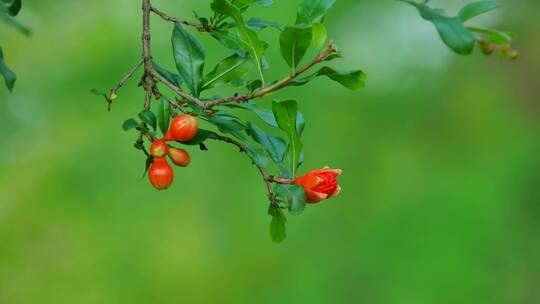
x=278, y=85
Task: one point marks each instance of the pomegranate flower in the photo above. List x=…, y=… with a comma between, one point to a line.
x=320, y=184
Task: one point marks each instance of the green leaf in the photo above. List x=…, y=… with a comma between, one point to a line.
x=164, y=115
x=246, y=3
x=256, y=155
x=99, y=93
x=9, y=76
x=474, y=9
x=170, y=76
x=267, y=115
x=16, y=24
x=259, y=24
x=189, y=57
x=12, y=6
x=129, y=124
x=227, y=123
x=286, y=113
x=294, y=42
x=149, y=118
x=254, y=85
x=230, y=69
x=249, y=39
x=352, y=80
x=494, y=36
x=230, y=42
x=275, y=146
x=293, y=195
x=278, y=231
x=201, y=136
x=451, y=29
x=311, y=11
x=319, y=35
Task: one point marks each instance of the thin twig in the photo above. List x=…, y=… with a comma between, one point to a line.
x=278, y=85
x=199, y=26
x=127, y=77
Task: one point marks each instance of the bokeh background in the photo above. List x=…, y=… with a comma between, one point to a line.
x=440, y=154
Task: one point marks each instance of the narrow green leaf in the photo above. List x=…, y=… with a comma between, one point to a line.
x=149, y=118
x=9, y=76
x=352, y=80
x=278, y=231
x=189, y=57
x=319, y=35
x=286, y=113
x=16, y=24
x=246, y=3
x=229, y=70
x=248, y=37
x=494, y=36
x=294, y=42
x=311, y=11
x=474, y=9
x=275, y=146
x=451, y=29
x=129, y=124
x=164, y=115
x=259, y=24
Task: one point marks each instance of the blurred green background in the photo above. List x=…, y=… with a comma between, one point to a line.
x=440, y=156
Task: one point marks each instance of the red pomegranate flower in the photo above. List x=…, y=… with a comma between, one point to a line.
x=320, y=184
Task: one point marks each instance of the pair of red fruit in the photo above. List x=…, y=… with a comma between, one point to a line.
x=161, y=175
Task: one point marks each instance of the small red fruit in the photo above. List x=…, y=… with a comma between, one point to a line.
x=161, y=174
x=159, y=149
x=179, y=156
x=183, y=128
x=320, y=184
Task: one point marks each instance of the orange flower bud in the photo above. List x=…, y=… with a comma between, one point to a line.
x=320, y=184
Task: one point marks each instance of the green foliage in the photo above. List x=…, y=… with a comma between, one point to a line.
x=294, y=42
x=286, y=113
x=189, y=57
x=293, y=196
x=474, y=9
x=451, y=29
x=278, y=231
x=460, y=38
x=275, y=146
x=319, y=35
x=9, y=76
x=311, y=11
x=249, y=40
x=170, y=76
x=352, y=80
x=149, y=118
x=231, y=70
x=163, y=115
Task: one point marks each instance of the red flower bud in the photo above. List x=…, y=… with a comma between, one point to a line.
x=160, y=174
x=320, y=184
x=159, y=149
x=180, y=157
